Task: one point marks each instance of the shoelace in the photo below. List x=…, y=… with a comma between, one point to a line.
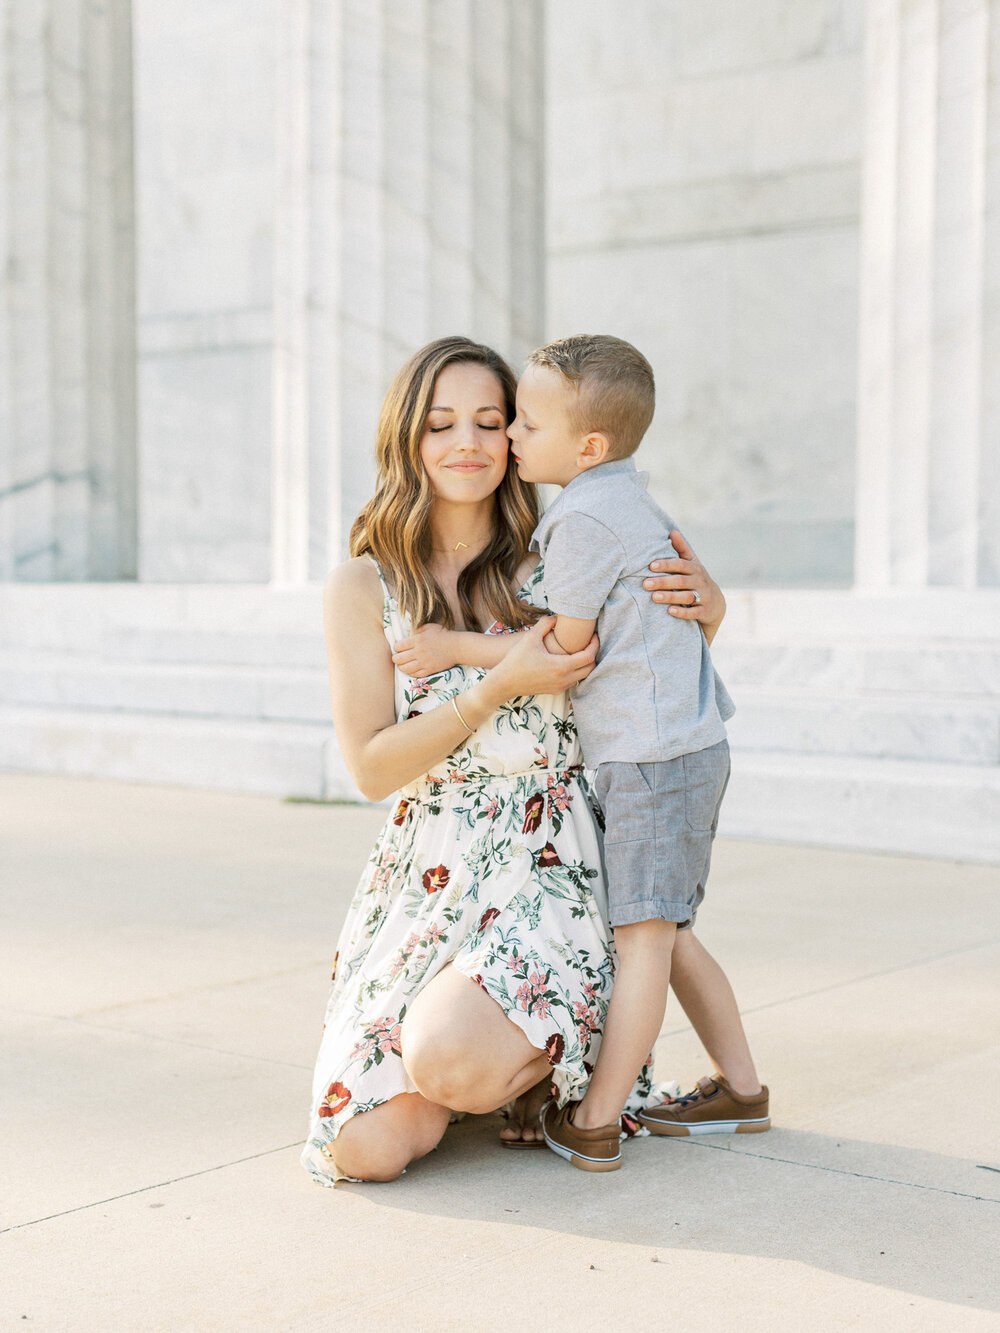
x=696, y=1096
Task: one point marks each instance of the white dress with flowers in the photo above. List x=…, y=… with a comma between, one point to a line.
x=491, y=863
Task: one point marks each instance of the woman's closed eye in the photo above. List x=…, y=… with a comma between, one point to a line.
x=436, y=430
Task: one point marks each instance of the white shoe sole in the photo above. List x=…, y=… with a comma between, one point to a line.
x=671, y=1129
x=580, y=1160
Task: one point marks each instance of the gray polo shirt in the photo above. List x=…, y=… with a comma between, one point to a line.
x=654, y=693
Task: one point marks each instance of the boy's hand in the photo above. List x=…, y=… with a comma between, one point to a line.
x=688, y=587
x=427, y=651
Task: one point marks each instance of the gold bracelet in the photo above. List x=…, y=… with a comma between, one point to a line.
x=458, y=711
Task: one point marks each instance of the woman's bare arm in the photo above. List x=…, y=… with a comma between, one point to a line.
x=382, y=754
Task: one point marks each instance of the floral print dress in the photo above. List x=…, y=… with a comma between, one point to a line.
x=492, y=863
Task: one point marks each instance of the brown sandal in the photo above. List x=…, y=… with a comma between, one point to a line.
x=523, y=1143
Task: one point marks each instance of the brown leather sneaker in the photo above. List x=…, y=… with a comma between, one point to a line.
x=589, y=1149
x=712, y=1108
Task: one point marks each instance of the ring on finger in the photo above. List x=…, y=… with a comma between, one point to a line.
x=695, y=597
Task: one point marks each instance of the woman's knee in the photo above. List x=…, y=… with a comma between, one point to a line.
x=438, y=1067
x=461, y=1050
x=373, y=1162
x=459, y=1075
x=379, y=1145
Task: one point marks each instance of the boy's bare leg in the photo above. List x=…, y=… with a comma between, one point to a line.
x=707, y=998
x=635, y=1016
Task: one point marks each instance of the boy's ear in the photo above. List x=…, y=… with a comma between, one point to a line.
x=594, y=450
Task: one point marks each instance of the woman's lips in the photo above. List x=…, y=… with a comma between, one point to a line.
x=466, y=467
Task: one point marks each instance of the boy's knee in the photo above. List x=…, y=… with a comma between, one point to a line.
x=643, y=938
x=685, y=939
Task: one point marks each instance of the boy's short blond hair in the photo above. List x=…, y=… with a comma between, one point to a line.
x=615, y=392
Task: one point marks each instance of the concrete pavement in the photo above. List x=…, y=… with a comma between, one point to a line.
x=165, y=956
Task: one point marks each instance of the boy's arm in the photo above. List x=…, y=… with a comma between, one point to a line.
x=583, y=559
x=432, y=648
x=570, y=634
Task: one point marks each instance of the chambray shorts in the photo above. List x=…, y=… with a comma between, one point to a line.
x=661, y=820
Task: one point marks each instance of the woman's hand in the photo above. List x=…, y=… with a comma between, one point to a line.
x=529, y=668
x=688, y=587
x=427, y=651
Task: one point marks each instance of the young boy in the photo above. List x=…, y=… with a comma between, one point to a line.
x=651, y=721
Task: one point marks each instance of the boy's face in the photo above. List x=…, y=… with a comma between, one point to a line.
x=543, y=442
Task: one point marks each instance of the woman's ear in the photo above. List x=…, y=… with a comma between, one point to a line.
x=595, y=449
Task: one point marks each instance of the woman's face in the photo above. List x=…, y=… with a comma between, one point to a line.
x=464, y=444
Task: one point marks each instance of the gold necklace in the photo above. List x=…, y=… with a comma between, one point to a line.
x=459, y=546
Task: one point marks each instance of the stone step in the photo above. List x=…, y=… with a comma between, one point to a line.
x=935, y=642
x=927, y=666
x=287, y=649
x=913, y=726
x=873, y=615
x=268, y=758
x=923, y=727
x=934, y=666
x=908, y=807
x=926, y=809
x=56, y=680
x=80, y=616
x=240, y=625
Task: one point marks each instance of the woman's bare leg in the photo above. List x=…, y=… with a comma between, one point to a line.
x=378, y=1144
x=524, y=1124
x=461, y=1051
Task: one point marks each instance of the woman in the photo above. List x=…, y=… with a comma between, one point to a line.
x=474, y=966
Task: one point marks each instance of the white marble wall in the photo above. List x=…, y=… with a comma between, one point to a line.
x=929, y=397
x=409, y=209
x=703, y=179
x=205, y=187
x=321, y=189
x=67, y=367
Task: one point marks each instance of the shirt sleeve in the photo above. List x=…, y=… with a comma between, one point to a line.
x=583, y=561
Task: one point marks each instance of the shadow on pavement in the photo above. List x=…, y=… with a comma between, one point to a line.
x=789, y=1195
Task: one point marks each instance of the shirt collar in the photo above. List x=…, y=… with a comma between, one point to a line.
x=615, y=465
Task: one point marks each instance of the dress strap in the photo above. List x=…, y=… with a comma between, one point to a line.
x=396, y=626
x=390, y=601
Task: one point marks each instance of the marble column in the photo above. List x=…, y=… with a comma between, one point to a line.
x=928, y=480
x=410, y=206
x=67, y=385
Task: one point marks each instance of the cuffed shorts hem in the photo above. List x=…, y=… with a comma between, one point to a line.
x=630, y=914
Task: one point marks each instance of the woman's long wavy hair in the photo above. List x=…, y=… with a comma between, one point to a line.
x=394, y=526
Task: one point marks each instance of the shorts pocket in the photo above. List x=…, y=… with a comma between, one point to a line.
x=706, y=773
x=627, y=802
